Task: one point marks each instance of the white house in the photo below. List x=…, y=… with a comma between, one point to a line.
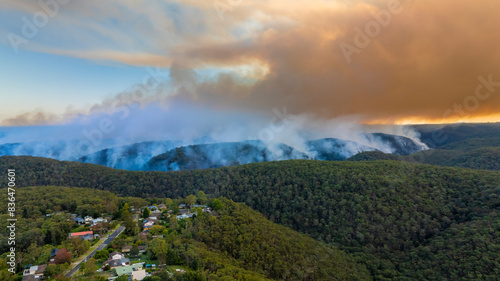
x=116, y=255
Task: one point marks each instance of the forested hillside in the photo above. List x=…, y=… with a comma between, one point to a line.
x=42, y=224
x=482, y=153
x=437, y=136
x=418, y=222
x=254, y=243
x=233, y=243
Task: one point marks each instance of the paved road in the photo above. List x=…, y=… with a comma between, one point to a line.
x=100, y=247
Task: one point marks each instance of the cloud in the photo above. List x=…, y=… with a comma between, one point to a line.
x=38, y=117
x=425, y=61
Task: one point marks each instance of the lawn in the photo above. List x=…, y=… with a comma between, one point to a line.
x=144, y=259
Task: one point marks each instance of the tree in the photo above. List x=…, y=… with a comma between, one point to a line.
x=156, y=229
x=52, y=270
x=126, y=207
x=217, y=204
x=90, y=267
x=169, y=202
x=154, y=278
x=174, y=224
x=62, y=256
x=6, y=275
x=194, y=276
x=130, y=225
x=134, y=251
x=102, y=255
x=122, y=278
x=202, y=197
x=160, y=248
x=175, y=209
x=146, y=213
x=190, y=200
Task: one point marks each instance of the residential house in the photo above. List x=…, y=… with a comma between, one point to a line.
x=39, y=272
x=116, y=259
x=35, y=272
x=153, y=209
x=88, y=219
x=30, y=271
x=152, y=219
x=155, y=216
x=138, y=274
x=204, y=208
x=126, y=249
x=134, y=271
x=53, y=256
x=143, y=235
x=185, y=216
x=142, y=248
x=98, y=220
x=148, y=224
x=182, y=206
x=97, y=227
x=117, y=263
x=162, y=206
x=85, y=235
x=115, y=256
x=79, y=220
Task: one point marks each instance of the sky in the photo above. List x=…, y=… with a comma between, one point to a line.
x=371, y=61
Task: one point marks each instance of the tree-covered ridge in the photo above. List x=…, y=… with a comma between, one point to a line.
x=473, y=143
x=232, y=243
x=438, y=136
x=44, y=222
x=481, y=154
x=275, y=251
x=384, y=212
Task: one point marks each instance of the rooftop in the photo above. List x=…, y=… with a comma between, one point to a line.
x=128, y=269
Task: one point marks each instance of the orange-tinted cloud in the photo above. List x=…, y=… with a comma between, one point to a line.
x=423, y=63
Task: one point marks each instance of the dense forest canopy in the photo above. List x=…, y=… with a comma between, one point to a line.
x=403, y=220
x=232, y=243
x=474, y=153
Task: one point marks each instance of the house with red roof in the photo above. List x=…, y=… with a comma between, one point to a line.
x=85, y=235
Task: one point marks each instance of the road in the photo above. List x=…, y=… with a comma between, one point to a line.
x=100, y=247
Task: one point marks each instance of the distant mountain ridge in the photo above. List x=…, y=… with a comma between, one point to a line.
x=473, y=153
x=215, y=155
x=175, y=155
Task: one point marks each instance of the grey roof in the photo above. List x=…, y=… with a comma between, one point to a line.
x=120, y=262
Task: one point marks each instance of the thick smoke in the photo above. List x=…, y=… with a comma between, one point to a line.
x=129, y=139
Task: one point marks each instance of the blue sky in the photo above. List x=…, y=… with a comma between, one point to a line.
x=33, y=80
